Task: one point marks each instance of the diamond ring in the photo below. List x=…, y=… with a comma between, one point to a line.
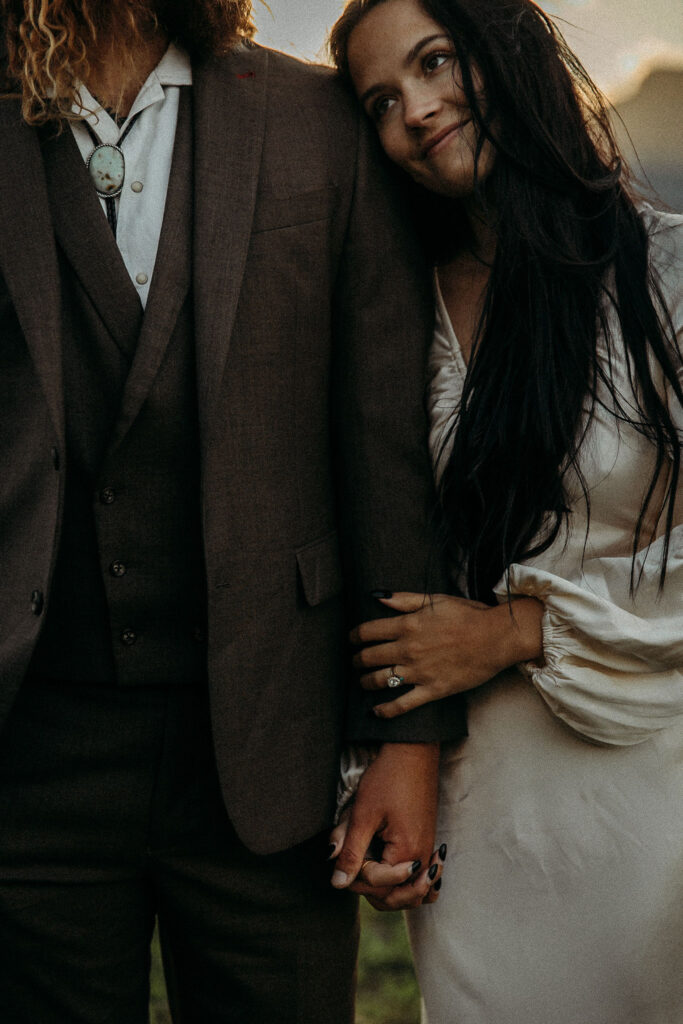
x=394, y=679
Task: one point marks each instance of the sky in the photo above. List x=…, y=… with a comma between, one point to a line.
x=617, y=40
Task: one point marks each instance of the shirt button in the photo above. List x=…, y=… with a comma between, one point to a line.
x=37, y=602
x=137, y=186
x=107, y=495
x=141, y=278
x=129, y=637
x=117, y=569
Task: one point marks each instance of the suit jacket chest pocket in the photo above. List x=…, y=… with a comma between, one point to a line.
x=286, y=289
x=275, y=211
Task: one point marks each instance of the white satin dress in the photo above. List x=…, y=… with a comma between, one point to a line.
x=562, y=898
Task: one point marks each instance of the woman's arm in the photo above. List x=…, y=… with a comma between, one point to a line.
x=443, y=645
x=609, y=664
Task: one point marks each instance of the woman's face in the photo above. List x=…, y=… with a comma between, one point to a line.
x=405, y=72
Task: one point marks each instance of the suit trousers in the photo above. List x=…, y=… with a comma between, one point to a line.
x=111, y=817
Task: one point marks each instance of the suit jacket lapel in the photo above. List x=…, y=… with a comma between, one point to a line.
x=229, y=119
x=28, y=258
x=172, y=275
x=88, y=241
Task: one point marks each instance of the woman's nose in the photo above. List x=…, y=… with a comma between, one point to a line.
x=419, y=107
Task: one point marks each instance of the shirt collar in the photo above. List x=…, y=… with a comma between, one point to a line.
x=174, y=69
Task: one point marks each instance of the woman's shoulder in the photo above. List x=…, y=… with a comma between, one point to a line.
x=665, y=234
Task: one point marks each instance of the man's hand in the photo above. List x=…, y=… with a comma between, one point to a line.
x=394, y=814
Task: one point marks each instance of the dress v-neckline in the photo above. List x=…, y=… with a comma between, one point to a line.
x=456, y=349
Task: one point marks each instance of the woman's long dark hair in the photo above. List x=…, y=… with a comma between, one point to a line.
x=571, y=248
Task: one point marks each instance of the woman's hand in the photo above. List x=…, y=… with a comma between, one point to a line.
x=443, y=645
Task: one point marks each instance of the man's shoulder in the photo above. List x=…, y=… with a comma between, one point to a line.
x=311, y=82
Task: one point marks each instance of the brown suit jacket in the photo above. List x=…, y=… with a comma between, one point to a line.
x=312, y=316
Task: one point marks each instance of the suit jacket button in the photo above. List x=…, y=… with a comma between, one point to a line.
x=107, y=495
x=37, y=602
x=117, y=569
x=129, y=637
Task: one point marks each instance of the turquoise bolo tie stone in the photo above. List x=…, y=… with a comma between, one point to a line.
x=107, y=167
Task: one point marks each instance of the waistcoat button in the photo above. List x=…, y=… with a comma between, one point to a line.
x=37, y=602
x=129, y=637
x=107, y=495
x=117, y=569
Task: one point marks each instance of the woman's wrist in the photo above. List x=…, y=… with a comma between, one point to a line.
x=521, y=633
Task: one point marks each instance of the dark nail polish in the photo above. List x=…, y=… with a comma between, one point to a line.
x=381, y=593
x=331, y=851
x=443, y=850
x=437, y=885
x=417, y=864
x=433, y=871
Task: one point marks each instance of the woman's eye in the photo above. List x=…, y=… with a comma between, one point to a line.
x=434, y=61
x=381, y=106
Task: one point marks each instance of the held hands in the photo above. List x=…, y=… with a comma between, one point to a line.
x=440, y=645
x=394, y=816
x=443, y=645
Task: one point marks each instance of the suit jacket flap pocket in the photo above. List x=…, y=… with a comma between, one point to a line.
x=319, y=569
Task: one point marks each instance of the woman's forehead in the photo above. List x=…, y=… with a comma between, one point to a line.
x=385, y=40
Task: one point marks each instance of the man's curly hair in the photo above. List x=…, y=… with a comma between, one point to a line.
x=48, y=42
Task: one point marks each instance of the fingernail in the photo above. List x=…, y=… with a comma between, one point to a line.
x=379, y=594
x=417, y=864
x=378, y=713
x=443, y=850
x=433, y=871
x=332, y=849
x=339, y=879
x=437, y=885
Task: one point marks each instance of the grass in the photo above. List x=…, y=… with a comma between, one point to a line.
x=387, y=991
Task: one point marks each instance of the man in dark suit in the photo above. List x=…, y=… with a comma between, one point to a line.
x=211, y=445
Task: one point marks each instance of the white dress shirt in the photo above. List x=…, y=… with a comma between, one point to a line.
x=148, y=151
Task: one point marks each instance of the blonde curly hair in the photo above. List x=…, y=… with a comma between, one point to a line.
x=48, y=41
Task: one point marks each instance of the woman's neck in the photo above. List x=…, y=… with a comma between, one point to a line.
x=483, y=236
x=464, y=278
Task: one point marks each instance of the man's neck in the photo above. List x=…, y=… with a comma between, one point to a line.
x=116, y=79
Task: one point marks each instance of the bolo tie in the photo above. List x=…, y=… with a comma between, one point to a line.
x=107, y=169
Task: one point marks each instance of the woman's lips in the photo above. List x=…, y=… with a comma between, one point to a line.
x=434, y=144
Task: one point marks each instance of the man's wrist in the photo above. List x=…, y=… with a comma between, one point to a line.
x=419, y=751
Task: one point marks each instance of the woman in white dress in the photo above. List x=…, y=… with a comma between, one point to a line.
x=556, y=401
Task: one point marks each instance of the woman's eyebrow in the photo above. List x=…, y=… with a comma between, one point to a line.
x=419, y=46
x=409, y=58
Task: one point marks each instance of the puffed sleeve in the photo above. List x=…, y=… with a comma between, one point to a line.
x=612, y=665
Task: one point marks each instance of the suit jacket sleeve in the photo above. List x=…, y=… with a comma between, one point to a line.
x=383, y=324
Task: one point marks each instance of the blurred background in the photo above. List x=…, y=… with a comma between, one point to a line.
x=633, y=49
